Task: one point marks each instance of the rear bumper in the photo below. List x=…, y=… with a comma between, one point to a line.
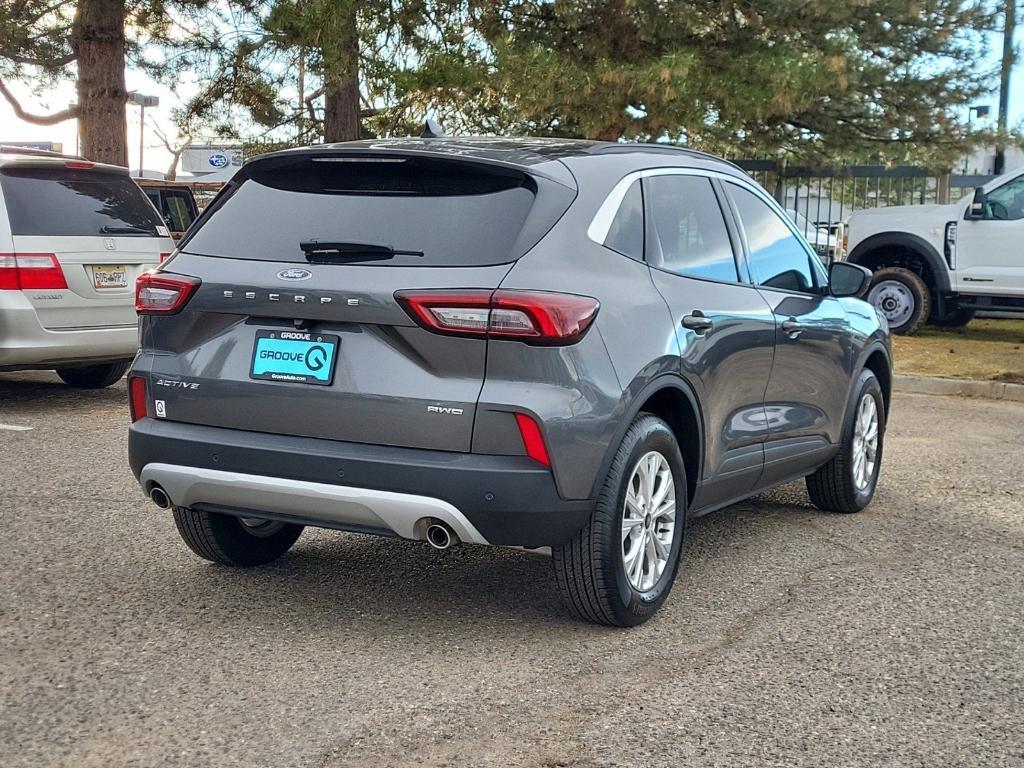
x=25, y=343
x=505, y=500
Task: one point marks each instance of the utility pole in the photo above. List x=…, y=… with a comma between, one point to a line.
x=1009, y=24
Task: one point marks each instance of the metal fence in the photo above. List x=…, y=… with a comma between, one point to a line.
x=820, y=200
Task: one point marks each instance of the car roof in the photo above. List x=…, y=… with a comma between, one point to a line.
x=524, y=153
x=16, y=156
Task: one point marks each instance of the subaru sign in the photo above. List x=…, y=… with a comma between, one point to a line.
x=210, y=158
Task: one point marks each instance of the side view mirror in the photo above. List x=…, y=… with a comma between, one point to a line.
x=845, y=279
x=976, y=210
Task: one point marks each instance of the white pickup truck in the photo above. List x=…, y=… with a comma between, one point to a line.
x=939, y=264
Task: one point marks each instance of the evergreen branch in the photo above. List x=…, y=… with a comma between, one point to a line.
x=28, y=117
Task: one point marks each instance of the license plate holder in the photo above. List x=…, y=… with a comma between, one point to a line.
x=109, y=276
x=297, y=357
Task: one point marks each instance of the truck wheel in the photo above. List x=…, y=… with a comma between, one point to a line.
x=954, y=318
x=620, y=567
x=93, y=376
x=236, y=541
x=847, y=483
x=902, y=297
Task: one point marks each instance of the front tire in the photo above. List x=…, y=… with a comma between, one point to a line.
x=902, y=297
x=93, y=376
x=234, y=541
x=847, y=483
x=620, y=567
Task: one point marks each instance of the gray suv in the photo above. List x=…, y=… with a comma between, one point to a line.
x=535, y=343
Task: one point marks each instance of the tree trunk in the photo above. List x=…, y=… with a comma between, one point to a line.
x=97, y=38
x=1009, y=23
x=341, y=85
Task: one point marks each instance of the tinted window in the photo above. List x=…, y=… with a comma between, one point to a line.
x=777, y=258
x=689, y=232
x=626, y=234
x=454, y=215
x=177, y=208
x=61, y=201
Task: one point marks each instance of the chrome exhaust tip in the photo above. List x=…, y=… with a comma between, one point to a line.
x=159, y=497
x=440, y=536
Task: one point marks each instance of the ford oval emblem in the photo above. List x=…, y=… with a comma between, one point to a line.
x=295, y=274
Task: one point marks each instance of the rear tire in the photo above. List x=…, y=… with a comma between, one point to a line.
x=839, y=486
x=958, y=317
x=227, y=540
x=93, y=376
x=902, y=297
x=591, y=569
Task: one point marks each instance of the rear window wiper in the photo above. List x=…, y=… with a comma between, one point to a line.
x=334, y=251
x=107, y=230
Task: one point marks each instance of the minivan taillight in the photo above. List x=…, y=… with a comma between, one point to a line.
x=31, y=271
x=158, y=293
x=534, y=317
x=137, y=402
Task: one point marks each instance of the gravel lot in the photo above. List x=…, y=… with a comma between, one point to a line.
x=792, y=638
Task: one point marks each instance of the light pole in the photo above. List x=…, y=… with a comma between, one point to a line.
x=143, y=101
x=981, y=110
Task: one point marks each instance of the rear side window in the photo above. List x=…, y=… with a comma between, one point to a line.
x=626, y=234
x=62, y=201
x=689, y=236
x=434, y=213
x=777, y=259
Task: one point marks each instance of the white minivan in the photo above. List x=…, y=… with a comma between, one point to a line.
x=74, y=235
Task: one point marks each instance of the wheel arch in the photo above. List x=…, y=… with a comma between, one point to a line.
x=877, y=359
x=672, y=399
x=902, y=249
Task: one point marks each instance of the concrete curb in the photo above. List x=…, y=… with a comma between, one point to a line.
x=933, y=385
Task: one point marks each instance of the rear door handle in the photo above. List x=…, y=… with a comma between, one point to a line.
x=792, y=328
x=697, y=322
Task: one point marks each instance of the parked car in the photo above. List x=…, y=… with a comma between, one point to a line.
x=174, y=201
x=74, y=236
x=513, y=342
x=820, y=238
x=940, y=264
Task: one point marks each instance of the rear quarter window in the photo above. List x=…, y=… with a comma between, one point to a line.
x=61, y=201
x=454, y=214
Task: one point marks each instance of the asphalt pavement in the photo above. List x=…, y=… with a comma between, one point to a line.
x=894, y=637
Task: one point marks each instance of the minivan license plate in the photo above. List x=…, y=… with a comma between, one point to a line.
x=109, y=276
x=296, y=356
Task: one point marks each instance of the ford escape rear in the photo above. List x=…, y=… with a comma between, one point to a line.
x=512, y=342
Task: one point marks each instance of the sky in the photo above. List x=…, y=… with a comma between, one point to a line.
x=156, y=157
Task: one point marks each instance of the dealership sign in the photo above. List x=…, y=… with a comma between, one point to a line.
x=200, y=158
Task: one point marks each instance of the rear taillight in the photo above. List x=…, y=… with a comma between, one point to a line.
x=157, y=293
x=137, y=398
x=533, y=440
x=535, y=317
x=164, y=257
x=31, y=271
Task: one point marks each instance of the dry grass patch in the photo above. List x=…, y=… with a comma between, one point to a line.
x=991, y=350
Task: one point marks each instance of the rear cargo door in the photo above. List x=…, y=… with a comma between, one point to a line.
x=101, y=230
x=295, y=328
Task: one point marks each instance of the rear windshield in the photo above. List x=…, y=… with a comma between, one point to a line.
x=175, y=205
x=63, y=201
x=433, y=213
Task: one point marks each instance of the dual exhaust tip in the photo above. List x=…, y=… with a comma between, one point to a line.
x=438, y=533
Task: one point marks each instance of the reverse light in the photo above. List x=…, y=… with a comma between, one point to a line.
x=533, y=440
x=31, y=271
x=158, y=293
x=137, y=401
x=534, y=317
